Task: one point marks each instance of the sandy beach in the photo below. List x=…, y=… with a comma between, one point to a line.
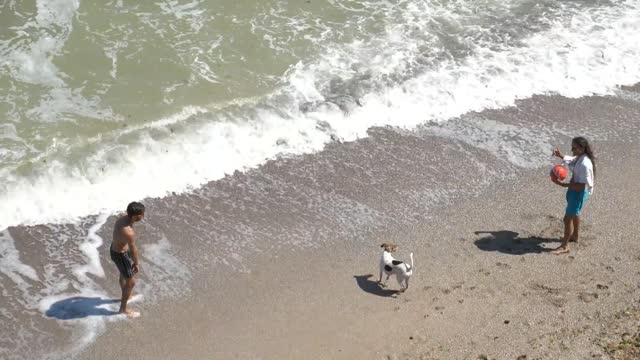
x=484, y=286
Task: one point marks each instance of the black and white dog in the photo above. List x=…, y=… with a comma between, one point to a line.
x=391, y=266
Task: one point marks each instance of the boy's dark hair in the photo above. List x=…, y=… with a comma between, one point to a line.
x=135, y=208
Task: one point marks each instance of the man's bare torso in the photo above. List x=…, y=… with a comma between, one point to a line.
x=120, y=242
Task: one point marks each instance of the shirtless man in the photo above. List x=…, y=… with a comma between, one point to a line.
x=124, y=253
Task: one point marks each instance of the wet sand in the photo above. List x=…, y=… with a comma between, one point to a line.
x=484, y=286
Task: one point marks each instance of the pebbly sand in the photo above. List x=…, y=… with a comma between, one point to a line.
x=480, y=228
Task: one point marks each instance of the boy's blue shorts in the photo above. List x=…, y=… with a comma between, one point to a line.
x=575, y=202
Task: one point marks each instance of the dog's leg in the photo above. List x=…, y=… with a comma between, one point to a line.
x=404, y=285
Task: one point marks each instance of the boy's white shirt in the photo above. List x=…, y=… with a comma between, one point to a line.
x=582, y=169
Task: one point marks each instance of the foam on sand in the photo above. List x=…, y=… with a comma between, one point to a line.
x=90, y=250
x=12, y=267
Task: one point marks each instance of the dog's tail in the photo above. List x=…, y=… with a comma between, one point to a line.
x=410, y=269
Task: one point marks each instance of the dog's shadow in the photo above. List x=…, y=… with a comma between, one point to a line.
x=509, y=242
x=372, y=286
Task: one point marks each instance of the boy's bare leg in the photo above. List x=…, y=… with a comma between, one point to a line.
x=568, y=231
x=576, y=229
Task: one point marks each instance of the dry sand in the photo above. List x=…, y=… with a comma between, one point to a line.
x=484, y=285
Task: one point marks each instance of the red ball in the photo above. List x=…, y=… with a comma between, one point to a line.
x=558, y=172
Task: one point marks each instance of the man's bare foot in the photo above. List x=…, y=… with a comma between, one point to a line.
x=131, y=314
x=560, y=250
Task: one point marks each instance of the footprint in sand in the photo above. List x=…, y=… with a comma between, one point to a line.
x=558, y=301
x=555, y=228
x=556, y=297
x=545, y=288
x=588, y=297
x=485, y=272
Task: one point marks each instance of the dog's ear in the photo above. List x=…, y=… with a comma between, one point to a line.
x=383, y=245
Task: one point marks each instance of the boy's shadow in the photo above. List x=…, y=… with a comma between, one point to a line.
x=372, y=287
x=509, y=242
x=80, y=307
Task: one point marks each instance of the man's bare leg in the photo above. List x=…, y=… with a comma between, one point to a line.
x=576, y=229
x=568, y=232
x=123, y=282
x=127, y=289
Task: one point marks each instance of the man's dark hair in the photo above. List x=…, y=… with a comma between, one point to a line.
x=135, y=208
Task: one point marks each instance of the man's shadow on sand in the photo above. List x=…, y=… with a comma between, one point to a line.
x=509, y=242
x=372, y=286
x=80, y=307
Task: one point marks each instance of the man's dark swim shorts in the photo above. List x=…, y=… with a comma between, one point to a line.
x=123, y=262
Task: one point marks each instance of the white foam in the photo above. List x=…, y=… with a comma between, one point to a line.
x=191, y=11
x=526, y=148
x=33, y=64
x=90, y=249
x=164, y=272
x=62, y=101
x=10, y=264
x=8, y=131
x=203, y=69
x=629, y=95
x=15, y=148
